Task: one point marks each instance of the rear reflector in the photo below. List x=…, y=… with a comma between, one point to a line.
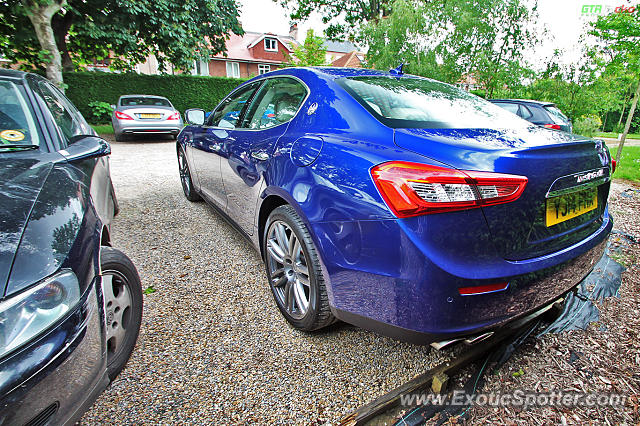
x=412, y=189
x=482, y=289
x=614, y=163
x=553, y=126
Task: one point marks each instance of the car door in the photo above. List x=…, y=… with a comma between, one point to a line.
x=249, y=146
x=207, y=147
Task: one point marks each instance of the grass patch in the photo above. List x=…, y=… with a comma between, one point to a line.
x=629, y=166
x=615, y=135
x=103, y=129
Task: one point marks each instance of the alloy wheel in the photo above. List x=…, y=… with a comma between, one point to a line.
x=118, y=301
x=288, y=269
x=185, y=177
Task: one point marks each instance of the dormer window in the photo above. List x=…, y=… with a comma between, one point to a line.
x=270, y=44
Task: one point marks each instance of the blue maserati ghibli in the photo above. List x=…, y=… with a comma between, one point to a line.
x=396, y=203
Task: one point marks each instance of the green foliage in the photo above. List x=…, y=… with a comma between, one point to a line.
x=184, y=91
x=311, y=53
x=100, y=111
x=353, y=13
x=446, y=40
x=587, y=125
x=103, y=129
x=175, y=31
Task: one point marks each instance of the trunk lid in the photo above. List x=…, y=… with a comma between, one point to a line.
x=564, y=170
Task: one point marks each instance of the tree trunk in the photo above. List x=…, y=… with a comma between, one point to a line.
x=627, y=126
x=40, y=15
x=61, y=25
x=624, y=106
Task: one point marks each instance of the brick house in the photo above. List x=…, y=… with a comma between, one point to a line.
x=253, y=54
x=343, y=54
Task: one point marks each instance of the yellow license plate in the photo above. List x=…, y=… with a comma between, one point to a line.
x=568, y=206
x=150, y=115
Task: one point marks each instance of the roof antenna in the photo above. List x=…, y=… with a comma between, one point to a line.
x=397, y=71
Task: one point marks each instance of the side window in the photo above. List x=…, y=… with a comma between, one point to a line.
x=537, y=114
x=66, y=116
x=525, y=113
x=509, y=107
x=275, y=103
x=229, y=111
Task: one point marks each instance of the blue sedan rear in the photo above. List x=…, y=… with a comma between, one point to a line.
x=396, y=203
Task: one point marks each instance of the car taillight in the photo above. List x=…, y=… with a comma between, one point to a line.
x=553, y=126
x=413, y=189
x=123, y=116
x=174, y=116
x=614, y=163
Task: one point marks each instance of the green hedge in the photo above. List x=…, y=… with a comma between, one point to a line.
x=184, y=91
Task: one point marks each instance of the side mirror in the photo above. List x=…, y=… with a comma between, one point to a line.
x=82, y=147
x=112, y=106
x=195, y=116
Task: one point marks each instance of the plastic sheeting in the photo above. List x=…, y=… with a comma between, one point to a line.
x=604, y=281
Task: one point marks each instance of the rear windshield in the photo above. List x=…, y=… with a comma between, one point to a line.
x=426, y=104
x=17, y=124
x=556, y=115
x=144, y=101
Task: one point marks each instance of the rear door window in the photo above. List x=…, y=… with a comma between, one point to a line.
x=514, y=108
x=17, y=123
x=277, y=102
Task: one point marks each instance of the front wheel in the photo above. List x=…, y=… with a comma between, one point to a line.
x=294, y=272
x=185, y=177
x=122, y=294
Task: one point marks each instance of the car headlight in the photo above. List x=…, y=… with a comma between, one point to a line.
x=31, y=312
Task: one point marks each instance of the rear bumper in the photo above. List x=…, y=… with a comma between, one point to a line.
x=137, y=126
x=57, y=377
x=382, y=281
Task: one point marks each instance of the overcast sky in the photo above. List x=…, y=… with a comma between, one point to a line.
x=563, y=20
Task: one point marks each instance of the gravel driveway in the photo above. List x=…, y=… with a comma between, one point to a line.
x=213, y=346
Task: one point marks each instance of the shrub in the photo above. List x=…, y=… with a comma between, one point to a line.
x=184, y=91
x=100, y=112
x=587, y=125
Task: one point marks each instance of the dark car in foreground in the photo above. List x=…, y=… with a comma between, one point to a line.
x=145, y=114
x=70, y=305
x=397, y=203
x=545, y=114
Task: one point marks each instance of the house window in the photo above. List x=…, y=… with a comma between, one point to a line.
x=233, y=69
x=270, y=44
x=262, y=69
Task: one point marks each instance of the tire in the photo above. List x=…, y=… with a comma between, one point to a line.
x=122, y=294
x=294, y=272
x=185, y=177
x=120, y=137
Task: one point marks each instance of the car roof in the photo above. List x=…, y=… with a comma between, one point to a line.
x=143, y=96
x=524, y=101
x=14, y=74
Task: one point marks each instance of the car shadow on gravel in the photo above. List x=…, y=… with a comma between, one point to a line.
x=139, y=139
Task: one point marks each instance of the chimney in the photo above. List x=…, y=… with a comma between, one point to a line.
x=293, y=31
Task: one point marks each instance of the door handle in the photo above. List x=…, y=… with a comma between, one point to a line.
x=217, y=147
x=260, y=155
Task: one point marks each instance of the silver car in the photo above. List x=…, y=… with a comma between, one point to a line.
x=144, y=114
